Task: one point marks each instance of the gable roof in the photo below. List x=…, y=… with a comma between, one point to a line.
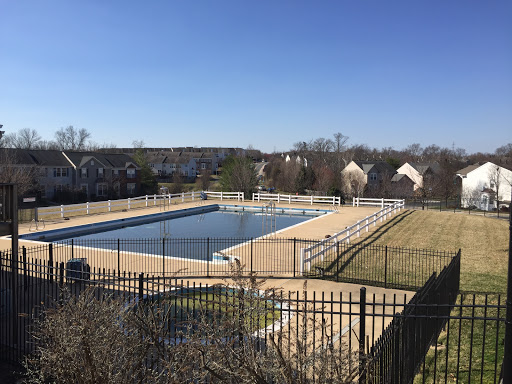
x=422, y=168
x=37, y=157
x=114, y=160
x=376, y=166
x=469, y=168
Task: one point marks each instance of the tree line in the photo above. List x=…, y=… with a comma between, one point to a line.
x=65, y=139
x=316, y=166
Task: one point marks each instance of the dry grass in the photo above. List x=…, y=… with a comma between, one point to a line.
x=483, y=241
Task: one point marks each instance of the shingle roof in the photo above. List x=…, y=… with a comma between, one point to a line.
x=422, y=168
x=37, y=157
x=469, y=168
x=114, y=160
x=378, y=166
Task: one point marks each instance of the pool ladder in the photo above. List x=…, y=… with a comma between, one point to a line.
x=268, y=223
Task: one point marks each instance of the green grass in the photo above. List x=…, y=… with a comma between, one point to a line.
x=461, y=360
x=482, y=240
x=257, y=312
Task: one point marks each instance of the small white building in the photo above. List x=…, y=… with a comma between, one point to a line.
x=483, y=185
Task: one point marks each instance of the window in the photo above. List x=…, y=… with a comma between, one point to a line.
x=115, y=172
x=92, y=162
x=373, y=177
x=99, y=173
x=203, y=165
x=130, y=173
x=60, y=172
x=101, y=189
x=58, y=188
x=130, y=188
x=85, y=173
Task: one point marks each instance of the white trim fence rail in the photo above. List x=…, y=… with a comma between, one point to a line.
x=333, y=200
x=359, y=201
x=323, y=247
x=132, y=203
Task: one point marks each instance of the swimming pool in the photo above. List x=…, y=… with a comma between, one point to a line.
x=199, y=232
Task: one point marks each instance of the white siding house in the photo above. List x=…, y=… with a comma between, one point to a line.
x=484, y=185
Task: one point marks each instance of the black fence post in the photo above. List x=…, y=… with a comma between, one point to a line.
x=61, y=281
x=386, y=267
x=50, y=261
x=337, y=261
x=141, y=287
x=72, y=248
x=251, y=257
x=118, y=255
x=294, y=256
x=362, y=333
x=163, y=256
x=207, y=257
x=25, y=275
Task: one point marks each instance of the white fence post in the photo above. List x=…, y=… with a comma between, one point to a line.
x=182, y=197
x=109, y=206
x=129, y=203
x=221, y=196
x=87, y=205
x=154, y=200
x=367, y=226
x=62, y=211
x=348, y=236
x=382, y=203
x=278, y=197
x=146, y=200
x=311, y=199
x=358, y=229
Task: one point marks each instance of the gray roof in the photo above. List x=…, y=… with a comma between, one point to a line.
x=375, y=166
x=469, y=168
x=114, y=160
x=48, y=158
x=422, y=168
x=399, y=176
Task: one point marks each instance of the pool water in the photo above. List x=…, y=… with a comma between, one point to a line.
x=216, y=224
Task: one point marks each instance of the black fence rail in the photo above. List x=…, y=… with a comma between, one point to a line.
x=435, y=337
x=455, y=206
x=362, y=263
x=389, y=267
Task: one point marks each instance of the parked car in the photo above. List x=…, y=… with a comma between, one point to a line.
x=261, y=188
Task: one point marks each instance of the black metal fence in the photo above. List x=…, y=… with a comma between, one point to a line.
x=362, y=263
x=389, y=267
x=437, y=336
x=455, y=206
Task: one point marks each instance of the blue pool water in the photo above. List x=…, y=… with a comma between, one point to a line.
x=195, y=233
x=218, y=224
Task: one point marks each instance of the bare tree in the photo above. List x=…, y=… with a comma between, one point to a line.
x=203, y=181
x=138, y=144
x=26, y=138
x=72, y=139
x=13, y=172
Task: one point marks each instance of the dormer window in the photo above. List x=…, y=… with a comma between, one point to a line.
x=373, y=176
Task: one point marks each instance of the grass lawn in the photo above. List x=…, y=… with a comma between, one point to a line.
x=483, y=241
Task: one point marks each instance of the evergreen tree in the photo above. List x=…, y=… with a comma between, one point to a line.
x=148, y=183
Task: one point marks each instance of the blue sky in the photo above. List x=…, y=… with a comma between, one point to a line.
x=261, y=73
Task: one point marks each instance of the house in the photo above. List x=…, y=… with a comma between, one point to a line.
x=402, y=186
x=299, y=160
x=104, y=175
x=50, y=171
x=373, y=172
x=419, y=173
x=483, y=185
x=166, y=164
